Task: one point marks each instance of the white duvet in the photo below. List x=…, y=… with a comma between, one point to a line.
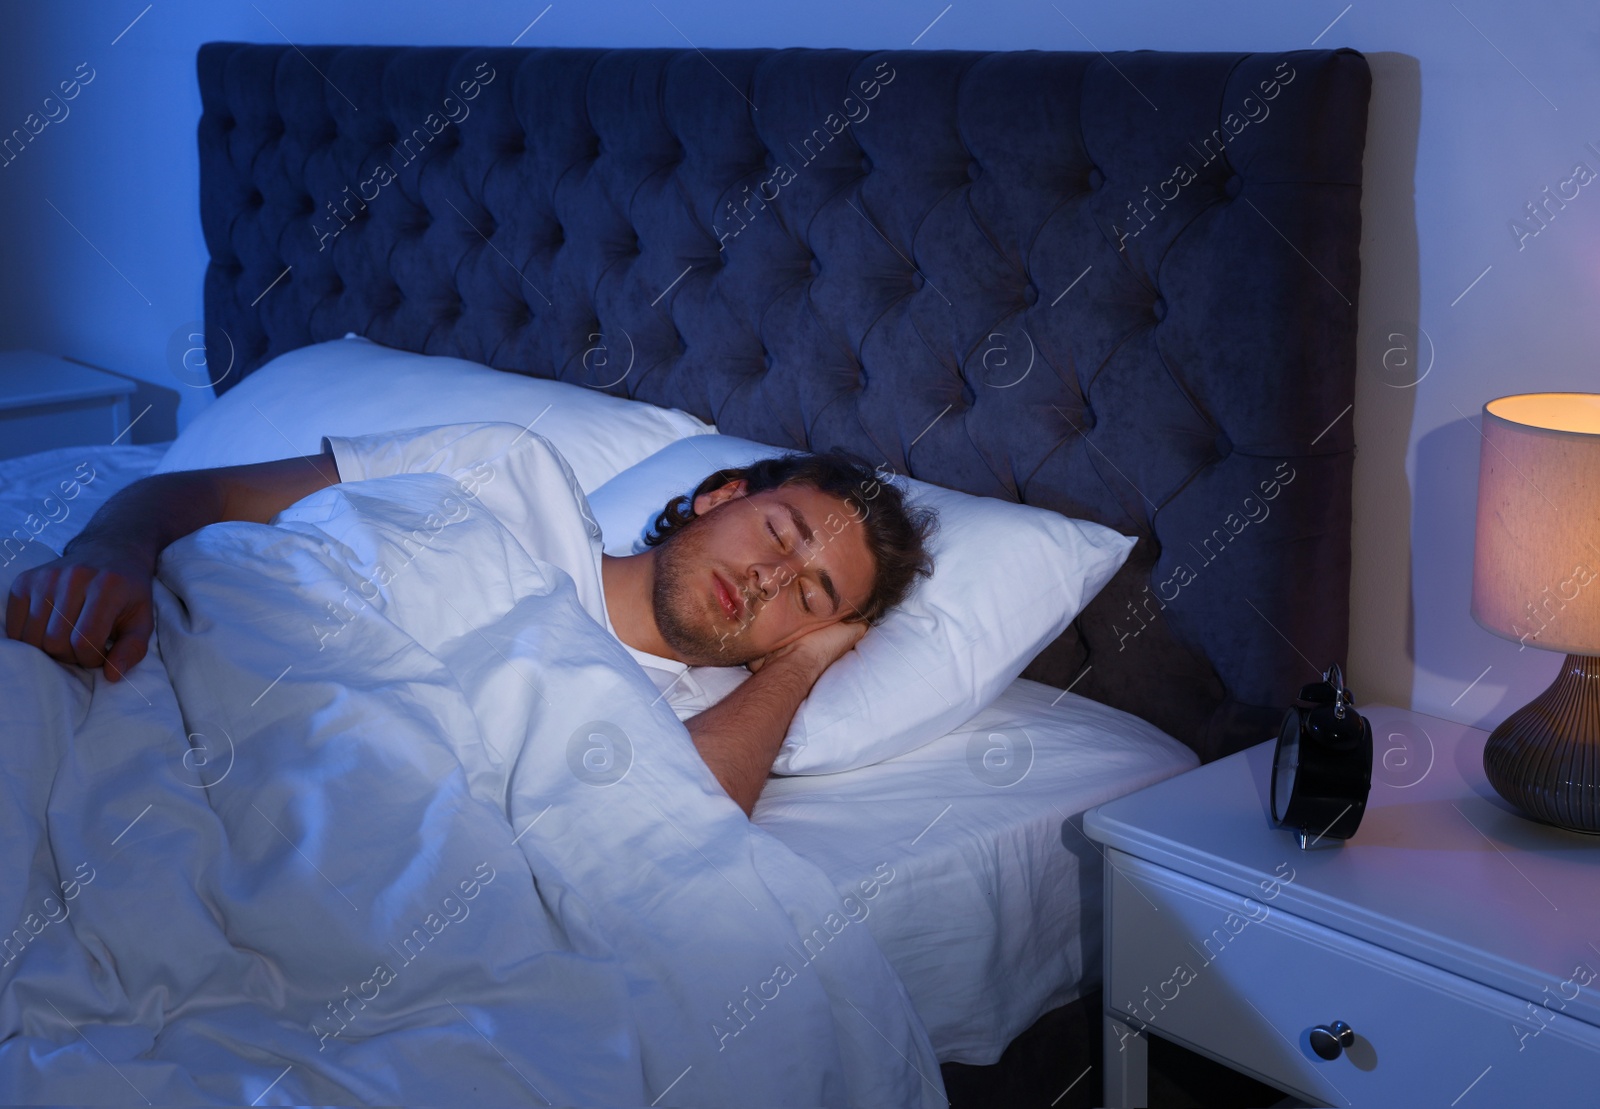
x=387, y=816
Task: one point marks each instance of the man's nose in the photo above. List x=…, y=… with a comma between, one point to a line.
x=769, y=579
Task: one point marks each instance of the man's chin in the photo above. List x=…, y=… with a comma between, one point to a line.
x=696, y=644
x=689, y=629
x=713, y=651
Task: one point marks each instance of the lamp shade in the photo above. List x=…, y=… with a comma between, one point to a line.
x=1536, y=560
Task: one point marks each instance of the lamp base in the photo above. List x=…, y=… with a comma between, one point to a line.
x=1545, y=757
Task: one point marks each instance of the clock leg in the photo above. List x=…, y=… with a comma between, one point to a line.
x=1127, y=1060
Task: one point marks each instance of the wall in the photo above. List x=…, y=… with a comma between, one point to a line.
x=1477, y=108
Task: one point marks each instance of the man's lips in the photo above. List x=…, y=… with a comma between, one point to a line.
x=728, y=597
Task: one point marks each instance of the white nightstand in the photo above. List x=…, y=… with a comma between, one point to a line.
x=1460, y=941
x=48, y=402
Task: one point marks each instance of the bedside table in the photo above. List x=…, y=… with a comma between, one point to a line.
x=48, y=402
x=1459, y=941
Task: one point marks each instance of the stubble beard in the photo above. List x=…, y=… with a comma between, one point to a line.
x=679, y=604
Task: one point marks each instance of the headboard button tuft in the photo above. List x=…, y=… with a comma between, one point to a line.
x=1030, y=294
x=1096, y=178
x=1224, y=445
x=974, y=170
x=1158, y=308
x=1233, y=186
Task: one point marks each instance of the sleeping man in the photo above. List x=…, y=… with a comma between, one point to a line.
x=780, y=567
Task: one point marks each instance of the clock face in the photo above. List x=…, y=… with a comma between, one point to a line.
x=1285, y=767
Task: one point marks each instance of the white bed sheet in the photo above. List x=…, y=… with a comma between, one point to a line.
x=365, y=771
x=992, y=914
x=46, y=498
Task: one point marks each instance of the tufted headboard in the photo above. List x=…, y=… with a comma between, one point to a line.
x=1121, y=287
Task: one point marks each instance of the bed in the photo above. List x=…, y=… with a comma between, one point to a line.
x=1120, y=288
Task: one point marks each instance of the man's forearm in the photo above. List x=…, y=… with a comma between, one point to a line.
x=93, y=605
x=739, y=736
x=154, y=512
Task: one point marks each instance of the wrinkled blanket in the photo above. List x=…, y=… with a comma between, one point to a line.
x=387, y=816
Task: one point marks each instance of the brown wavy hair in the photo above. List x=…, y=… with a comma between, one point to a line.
x=897, y=533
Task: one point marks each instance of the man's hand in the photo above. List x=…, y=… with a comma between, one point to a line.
x=90, y=607
x=99, y=592
x=821, y=647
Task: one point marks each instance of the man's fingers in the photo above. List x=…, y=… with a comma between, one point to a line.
x=132, y=642
x=64, y=609
x=17, y=606
x=102, y=605
x=71, y=611
x=41, y=588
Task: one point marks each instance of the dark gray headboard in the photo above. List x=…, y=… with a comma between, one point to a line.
x=1122, y=287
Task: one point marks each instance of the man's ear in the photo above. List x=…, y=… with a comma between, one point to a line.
x=705, y=502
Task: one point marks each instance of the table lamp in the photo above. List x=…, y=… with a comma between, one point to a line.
x=1536, y=580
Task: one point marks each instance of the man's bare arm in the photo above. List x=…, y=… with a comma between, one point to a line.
x=739, y=736
x=99, y=590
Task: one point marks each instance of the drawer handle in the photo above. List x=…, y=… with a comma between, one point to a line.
x=1330, y=1040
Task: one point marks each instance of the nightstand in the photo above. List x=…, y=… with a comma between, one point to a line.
x=1459, y=941
x=48, y=402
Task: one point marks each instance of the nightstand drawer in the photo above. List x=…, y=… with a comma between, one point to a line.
x=1242, y=981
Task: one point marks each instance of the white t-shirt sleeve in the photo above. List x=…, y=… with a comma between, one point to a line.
x=448, y=449
x=518, y=475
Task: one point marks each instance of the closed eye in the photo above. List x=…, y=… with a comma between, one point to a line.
x=805, y=602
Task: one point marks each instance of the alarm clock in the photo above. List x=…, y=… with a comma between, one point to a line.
x=1322, y=768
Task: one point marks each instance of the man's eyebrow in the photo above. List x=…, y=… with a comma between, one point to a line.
x=823, y=576
x=799, y=521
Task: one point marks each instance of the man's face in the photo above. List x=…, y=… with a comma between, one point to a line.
x=750, y=574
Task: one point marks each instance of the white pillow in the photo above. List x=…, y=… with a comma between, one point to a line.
x=1007, y=580
x=353, y=386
